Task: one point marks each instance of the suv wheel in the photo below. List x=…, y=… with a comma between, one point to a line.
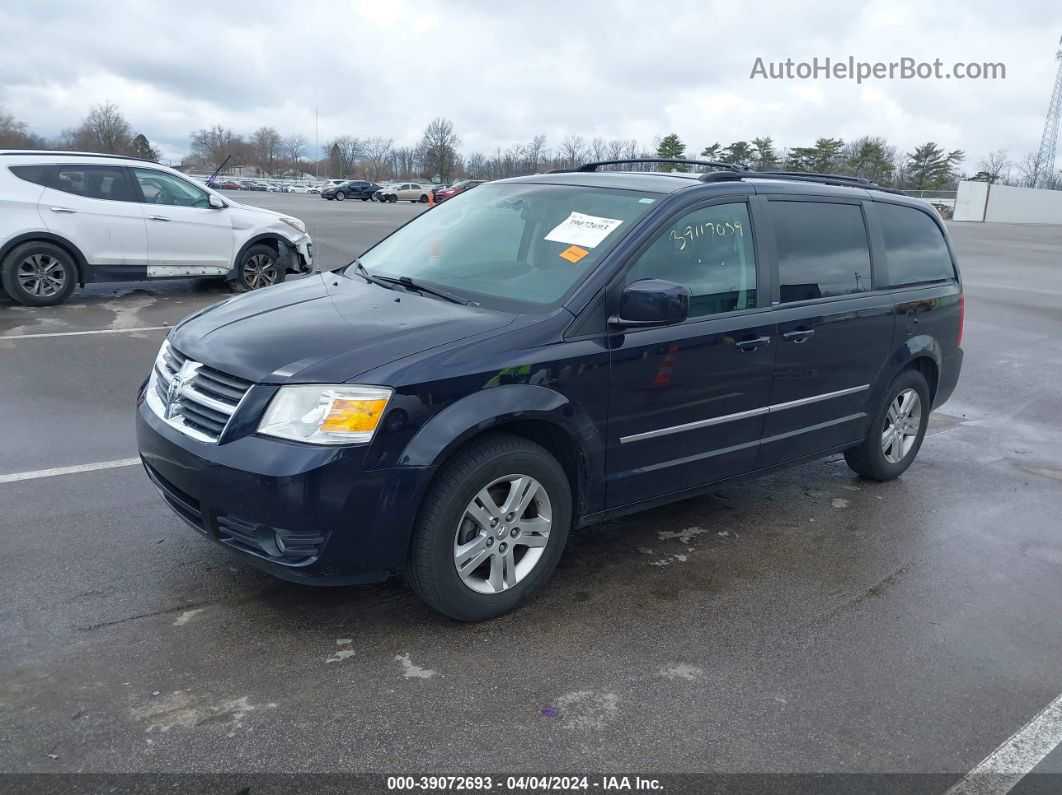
x=38, y=274
x=258, y=268
x=340, y=196
x=491, y=529
x=896, y=430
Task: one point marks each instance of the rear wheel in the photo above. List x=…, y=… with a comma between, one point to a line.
x=491, y=529
x=259, y=267
x=38, y=274
x=897, y=429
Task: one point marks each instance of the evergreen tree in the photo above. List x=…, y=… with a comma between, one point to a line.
x=143, y=149
x=671, y=146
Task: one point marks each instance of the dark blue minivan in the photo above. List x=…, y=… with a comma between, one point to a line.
x=546, y=352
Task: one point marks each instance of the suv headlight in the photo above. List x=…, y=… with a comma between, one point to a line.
x=294, y=223
x=325, y=414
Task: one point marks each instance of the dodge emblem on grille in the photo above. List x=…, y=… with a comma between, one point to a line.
x=173, y=391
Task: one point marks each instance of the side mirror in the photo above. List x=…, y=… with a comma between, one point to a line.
x=216, y=202
x=652, y=302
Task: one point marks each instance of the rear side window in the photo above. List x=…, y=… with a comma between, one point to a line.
x=914, y=246
x=95, y=182
x=38, y=175
x=822, y=250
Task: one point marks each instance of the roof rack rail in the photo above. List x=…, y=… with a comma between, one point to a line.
x=66, y=153
x=841, y=180
x=733, y=167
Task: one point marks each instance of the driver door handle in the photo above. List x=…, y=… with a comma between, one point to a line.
x=62, y=209
x=798, y=336
x=158, y=218
x=753, y=344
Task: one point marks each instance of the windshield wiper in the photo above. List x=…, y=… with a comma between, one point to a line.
x=419, y=287
x=363, y=272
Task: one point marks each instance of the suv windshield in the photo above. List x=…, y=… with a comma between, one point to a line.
x=522, y=244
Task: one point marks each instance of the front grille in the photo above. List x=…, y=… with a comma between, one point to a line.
x=204, y=401
x=286, y=547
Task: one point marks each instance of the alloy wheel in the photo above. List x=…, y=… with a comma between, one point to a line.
x=502, y=534
x=902, y=423
x=41, y=275
x=259, y=271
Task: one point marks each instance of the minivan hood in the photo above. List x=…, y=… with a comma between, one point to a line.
x=325, y=328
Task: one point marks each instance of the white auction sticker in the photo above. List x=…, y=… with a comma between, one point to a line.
x=582, y=230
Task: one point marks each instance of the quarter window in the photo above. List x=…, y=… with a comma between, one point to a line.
x=822, y=250
x=914, y=246
x=159, y=187
x=38, y=175
x=95, y=182
x=710, y=251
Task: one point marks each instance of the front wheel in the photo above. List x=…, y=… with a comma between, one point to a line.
x=897, y=429
x=423, y=198
x=259, y=267
x=491, y=529
x=340, y=196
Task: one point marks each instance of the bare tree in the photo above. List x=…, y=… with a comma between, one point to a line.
x=15, y=134
x=104, y=130
x=265, y=148
x=294, y=147
x=376, y=159
x=343, y=153
x=614, y=150
x=572, y=151
x=995, y=167
x=535, y=152
x=439, y=148
x=214, y=145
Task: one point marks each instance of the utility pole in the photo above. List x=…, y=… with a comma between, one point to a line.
x=316, y=145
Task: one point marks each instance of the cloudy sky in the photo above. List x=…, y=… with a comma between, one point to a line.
x=506, y=71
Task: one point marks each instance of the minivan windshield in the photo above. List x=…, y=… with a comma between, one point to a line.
x=520, y=246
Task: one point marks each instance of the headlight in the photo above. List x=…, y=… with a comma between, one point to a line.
x=295, y=224
x=325, y=414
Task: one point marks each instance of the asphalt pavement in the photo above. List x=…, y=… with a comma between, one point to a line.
x=808, y=621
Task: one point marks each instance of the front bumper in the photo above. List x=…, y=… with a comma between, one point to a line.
x=303, y=513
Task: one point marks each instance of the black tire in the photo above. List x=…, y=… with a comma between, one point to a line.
x=431, y=570
x=259, y=267
x=424, y=198
x=869, y=459
x=38, y=273
x=364, y=198
x=340, y=196
x=393, y=199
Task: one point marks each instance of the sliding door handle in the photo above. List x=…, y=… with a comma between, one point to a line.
x=62, y=209
x=798, y=336
x=158, y=218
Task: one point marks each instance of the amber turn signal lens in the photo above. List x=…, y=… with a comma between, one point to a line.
x=347, y=416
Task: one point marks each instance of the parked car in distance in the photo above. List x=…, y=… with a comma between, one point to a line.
x=458, y=187
x=71, y=218
x=351, y=189
x=229, y=184
x=313, y=189
x=554, y=351
x=253, y=185
x=297, y=188
x=406, y=191
x=378, y=196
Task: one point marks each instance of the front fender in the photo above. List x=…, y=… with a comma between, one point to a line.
x=488, y=408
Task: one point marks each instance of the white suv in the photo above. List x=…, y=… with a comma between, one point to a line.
x=70, y=218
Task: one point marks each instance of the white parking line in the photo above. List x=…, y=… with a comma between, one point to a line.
x=51, y=473
x=80, y=333
x=1010, y=763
